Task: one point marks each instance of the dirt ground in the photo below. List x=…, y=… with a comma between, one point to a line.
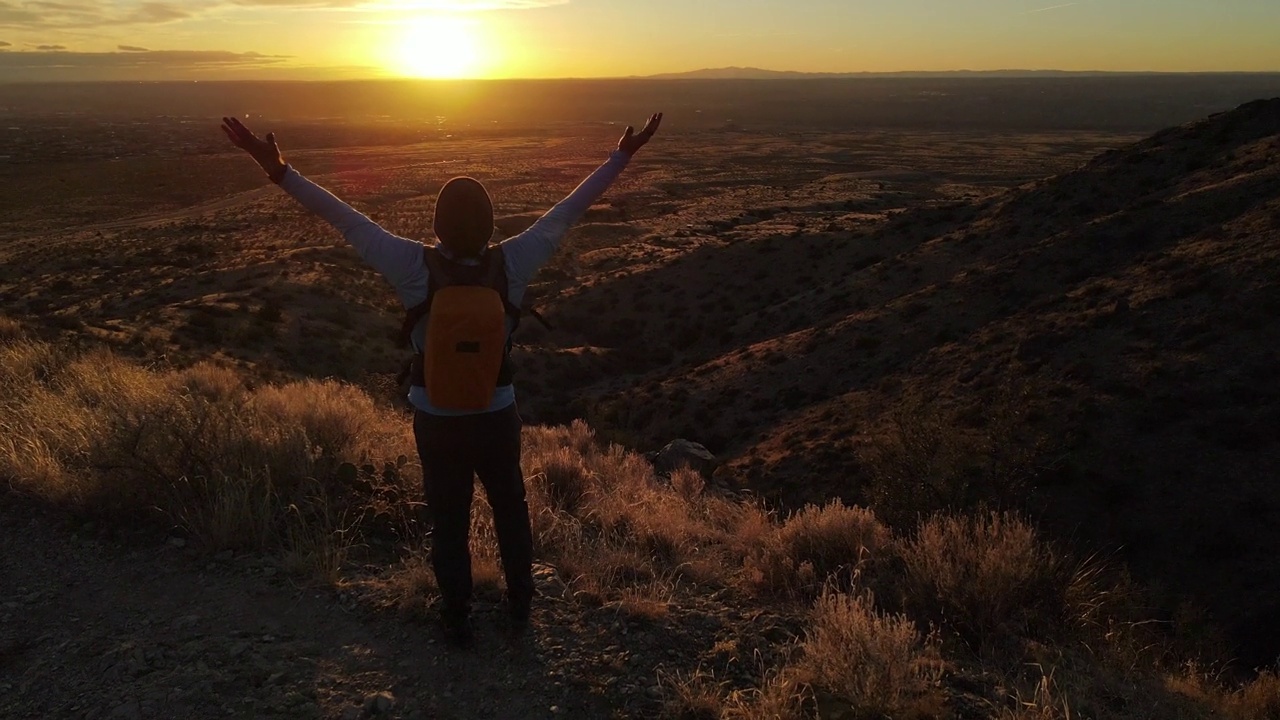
x=133, y=626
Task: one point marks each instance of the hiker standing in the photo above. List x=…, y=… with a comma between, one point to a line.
x=462, y=297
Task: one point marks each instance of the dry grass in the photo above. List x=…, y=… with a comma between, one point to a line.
x=601, y=515
x=977, y=575
x=10, y=329
x=925, y=462
x=878, y=663
x=294, y=470
x=814, y=547
x=698, y=696
x=234, y=467
x=1257, y=700
x=1044, y=703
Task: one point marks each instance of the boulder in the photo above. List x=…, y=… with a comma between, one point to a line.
x=685, y=454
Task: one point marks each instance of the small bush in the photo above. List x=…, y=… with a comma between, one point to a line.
x=1258, y=700
x=562, y=479
x=978, y=574
x=10, y=329
x=1045, y=703
x=700, y=697
x=815, y=547
x=102, y=434
x=878, y=663
x=925, y=462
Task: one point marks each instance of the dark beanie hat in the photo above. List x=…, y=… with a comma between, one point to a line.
x=464, y=217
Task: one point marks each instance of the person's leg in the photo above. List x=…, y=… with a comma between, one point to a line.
x=498, y=465
x=451, y=484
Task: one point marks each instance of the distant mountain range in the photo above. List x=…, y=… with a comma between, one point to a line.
x=751, y=73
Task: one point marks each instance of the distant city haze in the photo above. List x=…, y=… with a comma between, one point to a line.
x=352, y=39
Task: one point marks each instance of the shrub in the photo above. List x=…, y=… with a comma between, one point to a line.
x=925, y=463
x=227, y=463
x=699, y=696
x=10, y=329
x=878, y=663
x=1046, y=703
x=978, y=574
x=814, y=547
x=1257, y=700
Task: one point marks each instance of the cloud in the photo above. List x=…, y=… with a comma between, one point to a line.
x=47, y=14
x=51, y=48
x=71, y=62
x=131, y=48
x=5, y=44
x=78, y=14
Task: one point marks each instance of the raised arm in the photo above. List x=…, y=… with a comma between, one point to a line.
x=398, y=259
x=527, y=252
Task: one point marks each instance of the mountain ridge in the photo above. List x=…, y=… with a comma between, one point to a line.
x=755, y=73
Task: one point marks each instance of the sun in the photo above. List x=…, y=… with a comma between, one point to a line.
x=437, y=47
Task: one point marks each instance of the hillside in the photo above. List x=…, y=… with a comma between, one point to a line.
x=208, y=485
x=1125, y=311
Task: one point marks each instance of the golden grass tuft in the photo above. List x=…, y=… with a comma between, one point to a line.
x=10, y=329
x=235, y=468
x=814, y=547
x=699, y=696
x=878, y=663
x=1046, y=702
x=978, y=574
x=1257, y=700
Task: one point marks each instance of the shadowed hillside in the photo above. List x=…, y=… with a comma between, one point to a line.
x=1119, y=320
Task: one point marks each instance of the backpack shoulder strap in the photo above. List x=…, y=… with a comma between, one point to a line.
x=432, y=260
x=494, y=268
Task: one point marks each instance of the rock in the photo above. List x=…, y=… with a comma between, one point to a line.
x=548, y=582
x=379, y=703
x=351, y=713
x=223, y=556
x=177, y=542
x=686, y=454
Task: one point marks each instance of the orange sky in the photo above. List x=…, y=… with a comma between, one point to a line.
x=591, y=38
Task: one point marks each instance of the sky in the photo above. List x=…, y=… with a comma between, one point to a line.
x=332, y=39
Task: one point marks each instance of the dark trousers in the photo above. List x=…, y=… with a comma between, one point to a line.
x=454, y=450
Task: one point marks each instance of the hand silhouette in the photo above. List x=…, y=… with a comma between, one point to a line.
x=632, y=141
x=265, y=152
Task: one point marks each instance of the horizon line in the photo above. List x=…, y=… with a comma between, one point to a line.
x=690, y=75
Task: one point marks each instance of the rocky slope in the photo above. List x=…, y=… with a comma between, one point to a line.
x=1125, y=312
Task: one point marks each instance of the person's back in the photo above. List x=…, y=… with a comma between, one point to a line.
x=476, y=290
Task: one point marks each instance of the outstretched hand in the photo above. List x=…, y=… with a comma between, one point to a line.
x=632, y=141
x=265, y=152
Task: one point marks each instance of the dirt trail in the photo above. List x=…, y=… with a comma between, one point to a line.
x=90, y=629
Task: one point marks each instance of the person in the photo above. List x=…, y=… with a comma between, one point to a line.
x=455, y=445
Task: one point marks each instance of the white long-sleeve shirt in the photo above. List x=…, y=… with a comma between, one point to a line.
x=400, y=260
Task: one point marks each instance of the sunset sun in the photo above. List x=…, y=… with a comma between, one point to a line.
x=437, y=47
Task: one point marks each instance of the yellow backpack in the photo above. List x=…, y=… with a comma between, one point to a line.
x=467, y=352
